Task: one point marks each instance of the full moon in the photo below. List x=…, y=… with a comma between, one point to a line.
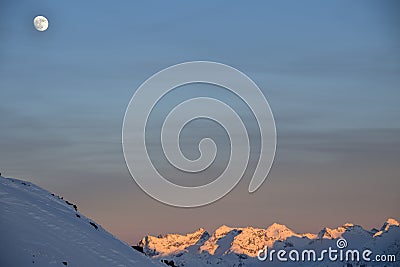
x=41, y=23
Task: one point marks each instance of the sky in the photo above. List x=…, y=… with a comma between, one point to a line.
x=329, y=70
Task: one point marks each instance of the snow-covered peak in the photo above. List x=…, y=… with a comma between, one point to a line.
x=172, y=243
x=389, y=222
x=220, y=241
x=222, y=231
x=279, y=231
x=386, y=226
x=338, y=232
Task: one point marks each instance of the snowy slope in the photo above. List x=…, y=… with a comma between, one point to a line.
x=229, y=246
x=38, y=228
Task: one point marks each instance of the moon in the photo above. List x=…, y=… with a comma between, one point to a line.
x=41, y=23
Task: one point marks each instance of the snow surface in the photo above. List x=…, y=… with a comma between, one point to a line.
x=41, y=229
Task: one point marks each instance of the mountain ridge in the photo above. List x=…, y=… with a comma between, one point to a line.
x=240, y=245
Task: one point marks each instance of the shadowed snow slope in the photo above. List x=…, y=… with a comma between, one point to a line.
x=38, y=228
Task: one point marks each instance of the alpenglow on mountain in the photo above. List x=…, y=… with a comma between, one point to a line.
x=229, y=246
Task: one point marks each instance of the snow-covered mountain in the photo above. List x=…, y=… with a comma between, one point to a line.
x=229, y=246
x=38, y=228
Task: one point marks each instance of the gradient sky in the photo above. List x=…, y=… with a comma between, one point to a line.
x=330, y=71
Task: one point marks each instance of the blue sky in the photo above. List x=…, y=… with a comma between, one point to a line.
x=330, y=71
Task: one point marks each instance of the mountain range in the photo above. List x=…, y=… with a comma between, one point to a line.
x=40, y=228
x=230, y=246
